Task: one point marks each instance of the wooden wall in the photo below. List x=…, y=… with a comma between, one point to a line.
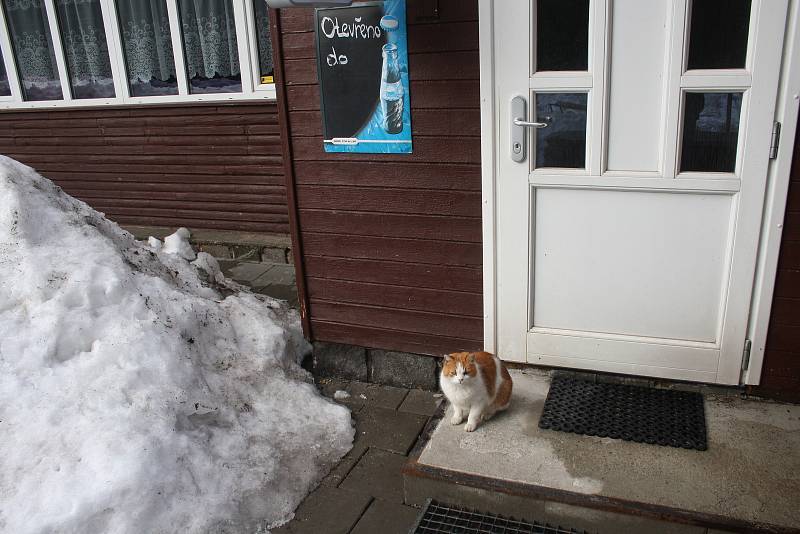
x=392, y=243
x=201, y=165
x=780, y=376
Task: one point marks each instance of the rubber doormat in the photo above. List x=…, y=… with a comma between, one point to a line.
x=441, y=518
x=633, y=413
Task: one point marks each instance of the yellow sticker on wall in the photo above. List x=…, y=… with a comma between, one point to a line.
x=267, y=79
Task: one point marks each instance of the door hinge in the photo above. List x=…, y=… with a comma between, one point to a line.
x=746, y=354
x=775, y=140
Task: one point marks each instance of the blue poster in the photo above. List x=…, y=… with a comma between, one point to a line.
x=362, y=64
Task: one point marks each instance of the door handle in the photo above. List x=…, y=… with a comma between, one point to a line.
x=526, y=124
x=518, y=128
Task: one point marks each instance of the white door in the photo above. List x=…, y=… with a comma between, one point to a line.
x=627, y=228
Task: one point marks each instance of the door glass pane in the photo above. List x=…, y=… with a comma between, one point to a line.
x=718, y=34
x=85, y=49
x=5, y=89
x=147, y=43
x=563, y=142
x=33, y=49
x=265, y=65
x=562, y=35
x=209, y=42
x=710, y=131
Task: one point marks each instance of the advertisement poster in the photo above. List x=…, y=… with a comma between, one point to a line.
x=362, y=63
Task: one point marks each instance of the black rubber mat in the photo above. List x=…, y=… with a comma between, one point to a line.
x=441, y=518
x=633, y=413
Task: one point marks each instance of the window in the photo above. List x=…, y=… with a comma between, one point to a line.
x=147, y=47
x=33, y=52
x=100, y=52
x=5, y=88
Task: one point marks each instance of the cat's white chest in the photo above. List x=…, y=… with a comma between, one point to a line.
x=464, y=394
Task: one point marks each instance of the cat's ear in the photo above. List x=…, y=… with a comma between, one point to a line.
x=471, y=357
x=448, y=357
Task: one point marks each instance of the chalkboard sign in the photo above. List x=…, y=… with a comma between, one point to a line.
x=362, y=64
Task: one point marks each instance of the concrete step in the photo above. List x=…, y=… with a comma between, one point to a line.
x=747, y=481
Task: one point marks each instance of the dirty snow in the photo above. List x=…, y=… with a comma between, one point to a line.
x=140, y=392
x=340, y=394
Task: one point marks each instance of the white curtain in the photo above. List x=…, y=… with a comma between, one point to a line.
x=85, y=48
x=33, y=50
x=209, y=37
x=265, y=62
x=147, y=41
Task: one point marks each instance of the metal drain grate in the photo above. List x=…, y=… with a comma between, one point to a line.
x=441, y=518
x=633, y=413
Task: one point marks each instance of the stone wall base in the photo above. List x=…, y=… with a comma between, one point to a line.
x=229, y=245
x=390, y=368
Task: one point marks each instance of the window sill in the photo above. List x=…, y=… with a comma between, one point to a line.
x=266, y=94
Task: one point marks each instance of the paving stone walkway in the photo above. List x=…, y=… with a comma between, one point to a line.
x=274, y=279
x=363, y=494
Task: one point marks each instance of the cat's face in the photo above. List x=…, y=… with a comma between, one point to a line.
x=459, y=367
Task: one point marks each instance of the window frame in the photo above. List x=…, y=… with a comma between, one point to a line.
x=247, y=44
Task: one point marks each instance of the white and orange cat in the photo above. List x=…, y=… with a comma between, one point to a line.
x=477, y=384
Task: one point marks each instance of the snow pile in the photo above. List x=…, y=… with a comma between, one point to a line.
x=139, y=392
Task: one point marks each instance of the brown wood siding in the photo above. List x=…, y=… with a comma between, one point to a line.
x=200, y=165
x=392, y=243
x=780, y=376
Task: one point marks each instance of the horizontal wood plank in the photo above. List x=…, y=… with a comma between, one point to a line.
x=377, y=199
x=399, y=319
x=382, y=338
x=167, y=200
x=211, y=166
x=376, y=173
x=785, y=311
x=244, y=193
x=445, y=277
x=441, y=37
x=426, y=149
x=456, y=94
x=431, y=122
x=460, y=65
x=783, y=337
x=302, y=20
x=442, y=228
x=177, y=222
x=401, y=297
x=787, y=283
x=393, y=249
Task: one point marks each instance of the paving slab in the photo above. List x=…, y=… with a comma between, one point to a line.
x=376, y=395
x=329, y=386
x=245, y=272
x=420, y=402
x=327, y=510
x=386, y=518
x=378, y=473
x=388, y=429
x=750, y=472
x=287, y=293
x=281, y=274
x=343, y=468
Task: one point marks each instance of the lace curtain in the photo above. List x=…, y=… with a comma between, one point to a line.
x=33, y=49
x=265, y=63
x=85, y=48
x=147, y=42
x=211, y=51
x=5, y=89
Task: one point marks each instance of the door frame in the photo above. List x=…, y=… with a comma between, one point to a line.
x=786, y=112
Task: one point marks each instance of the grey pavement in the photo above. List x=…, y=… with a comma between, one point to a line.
x=276, y=280
x=363, y=493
